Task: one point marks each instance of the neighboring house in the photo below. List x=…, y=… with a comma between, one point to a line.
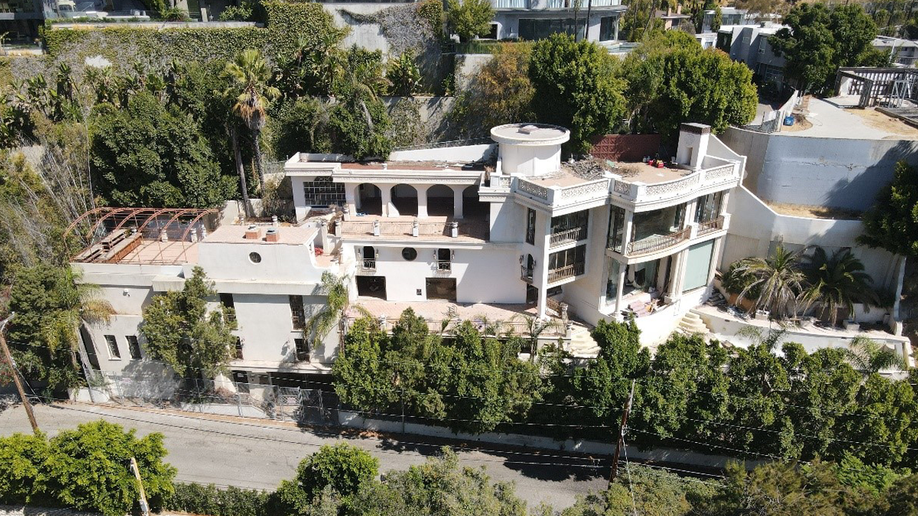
x=672, y=20
x=538, y=19
x=442, y=224
x=903, y=51
x=729, y=16
x=749, y=44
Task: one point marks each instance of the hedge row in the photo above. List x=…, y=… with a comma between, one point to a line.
x=232, y=501
x=285, y=24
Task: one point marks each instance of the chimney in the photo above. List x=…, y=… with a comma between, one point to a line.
x=271, y=235
x=693, y=145
x=252, y=232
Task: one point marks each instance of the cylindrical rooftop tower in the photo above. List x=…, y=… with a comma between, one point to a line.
x=530, y=149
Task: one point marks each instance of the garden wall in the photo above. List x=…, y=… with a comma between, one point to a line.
x=626, y=147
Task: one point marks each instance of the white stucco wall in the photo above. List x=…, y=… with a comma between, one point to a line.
x=364, y=35
x=585, y=294
x=280, y=262
x=508, y=222
x=483, y=273
x=754, y=226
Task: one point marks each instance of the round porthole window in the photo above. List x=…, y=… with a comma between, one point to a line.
x=409, y=253
x=254, y=257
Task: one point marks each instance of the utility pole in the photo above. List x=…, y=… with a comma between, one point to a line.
x=9, y=360
x=144, y=507
x=621, y=435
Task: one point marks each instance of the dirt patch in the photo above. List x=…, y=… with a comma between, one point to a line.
x=800, y=124
x=814, y=212
x=882, y=122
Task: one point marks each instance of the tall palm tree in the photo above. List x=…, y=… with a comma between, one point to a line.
x=337, y=303
x=778, y=280
x=836, y=282
x=80, y=304
x=248, y=75
x=867, y=356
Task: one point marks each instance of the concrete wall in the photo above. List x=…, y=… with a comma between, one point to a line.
x=362, y=34
x=834, y=172
x=754, y=226
x=288, y=263
x=508, y=222
x=584, y=295
x=483, y=273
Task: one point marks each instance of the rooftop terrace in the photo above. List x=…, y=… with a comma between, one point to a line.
x=838, y=117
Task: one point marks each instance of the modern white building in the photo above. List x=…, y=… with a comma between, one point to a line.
x=510, y=223
x=268, y=273
x=593, y=20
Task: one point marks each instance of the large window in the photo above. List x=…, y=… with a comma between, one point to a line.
x=657, y=222
x=530, y=226
x=297, y=312
x=321, y=191
x=302, y=350
x=612, y=272
x=113, y=351
x=707, y=207
x=607, y=28
x=133, y=347
x=569, y=261
x=616, y=228
x=534, y=29
x=569, y=228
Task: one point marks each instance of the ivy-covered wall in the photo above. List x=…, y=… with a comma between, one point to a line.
x=126, y=45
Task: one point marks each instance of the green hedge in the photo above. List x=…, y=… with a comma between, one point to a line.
x=232, y=501
x=122, y=45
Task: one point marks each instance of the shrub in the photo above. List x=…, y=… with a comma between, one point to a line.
x=404, y=75
x=232, y=501
x=21, y=457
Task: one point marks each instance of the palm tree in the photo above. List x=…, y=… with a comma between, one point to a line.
x=778, y=280
x=336, y=305
x=249, y=74
x=870, y=357
x=81, y=304
x=836, y=282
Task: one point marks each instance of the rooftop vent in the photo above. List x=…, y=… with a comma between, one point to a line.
x=271, y=235
x=252, y=232
x=529, y=129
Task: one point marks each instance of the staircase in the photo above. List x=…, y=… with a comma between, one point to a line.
x=582, y=343
x=691, y=323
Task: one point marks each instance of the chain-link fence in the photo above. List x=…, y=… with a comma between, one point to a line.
x=300, y=405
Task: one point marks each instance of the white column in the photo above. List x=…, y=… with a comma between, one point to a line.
x=422, y=200
x=626, y=231
x=457, y=201
x=386, y=201
x=352, y=199
x=620, y=288
x=299, y=198
x=677, y=276
x=355, y=195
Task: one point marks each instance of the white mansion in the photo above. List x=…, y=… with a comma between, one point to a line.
x=495, y=231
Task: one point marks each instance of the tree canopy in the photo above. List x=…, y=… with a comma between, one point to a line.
x=87, y=469
x=671, y=80
x=470, y=18
x=819, y=39
x=576, y=86
x=180, y=330
x=892, y=222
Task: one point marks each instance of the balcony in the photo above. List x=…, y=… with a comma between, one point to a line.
x=400, y=228
x=649, y=184
x=367, y=265
x=566, y=272
x=526, y=273
x=442, y=267
x=656, y=243
x=567, y=236
x=711, y=226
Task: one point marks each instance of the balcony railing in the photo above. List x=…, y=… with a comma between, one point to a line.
x=567, y=236
x=443, y=266
x=526, y=273
x=563, y=273
x=711, y=226
x=368, y=265
x=656, y=243
x=511, y=4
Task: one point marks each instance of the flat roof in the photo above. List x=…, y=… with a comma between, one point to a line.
x=837, y=117
x=235, y=234
x=156, y=252
x=415, y=165
x=631, y=172
x=530, y=134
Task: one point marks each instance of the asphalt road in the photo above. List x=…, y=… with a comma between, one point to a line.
x=259, y=454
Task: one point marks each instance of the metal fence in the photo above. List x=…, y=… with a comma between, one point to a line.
x=300, y=405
